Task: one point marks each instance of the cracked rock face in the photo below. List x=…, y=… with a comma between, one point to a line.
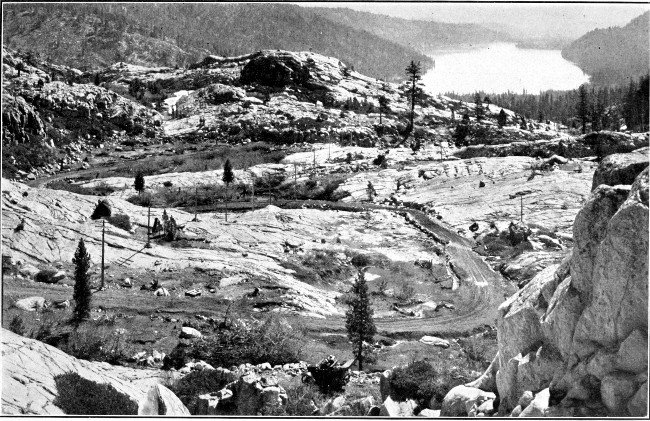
x=578, y=331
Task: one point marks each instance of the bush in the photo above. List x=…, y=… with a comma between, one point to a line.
x=79, y=396
x=17, y=326
x=95, y=343
x=121, y=221
x=300, y=398
x=239, y=342
x=419, y=381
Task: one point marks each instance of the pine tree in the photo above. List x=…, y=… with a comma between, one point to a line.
x=228, y=177
x=414, y=73
x=383, y=106
x=139, y=183
x=583, y=107
x=81, y=294
x=479, y=106
x=358, y=319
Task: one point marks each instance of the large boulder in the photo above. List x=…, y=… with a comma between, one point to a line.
x=20, y=122
x=620, y=168
x=460, y=400
x=605, y=143
x=276, y=69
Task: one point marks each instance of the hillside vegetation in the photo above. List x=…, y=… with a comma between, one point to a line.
x=96, y=35
x=613, y=55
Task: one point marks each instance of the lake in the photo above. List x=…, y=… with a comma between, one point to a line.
x=498, y=68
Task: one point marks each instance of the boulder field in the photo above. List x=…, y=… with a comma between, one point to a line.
x=574, y=341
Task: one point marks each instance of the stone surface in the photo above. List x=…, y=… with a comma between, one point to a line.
x=461, y=398
x=30, y=303
x=435, y=341
x=638, y=405
x=190, y=333
x=162, y=401
x=391, y=408
x=29, y=368
x=538, y=406
x=620, y=168
x=616, y=389
x=633, y=353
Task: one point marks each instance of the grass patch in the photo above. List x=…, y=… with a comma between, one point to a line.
x=189, y=387
x=79, y=396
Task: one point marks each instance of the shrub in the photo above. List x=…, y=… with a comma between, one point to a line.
x=121, y=221
x=95, y=343
x=419, y=381
x=238, y=342
x=380, y=160
x=301, y=400
x=17, y=326
x=406, y=291
x=79, y=396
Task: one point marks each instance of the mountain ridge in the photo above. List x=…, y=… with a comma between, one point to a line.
x=615, y=54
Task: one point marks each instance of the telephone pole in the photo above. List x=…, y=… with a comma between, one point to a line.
x=103, y=233
x=148, y=245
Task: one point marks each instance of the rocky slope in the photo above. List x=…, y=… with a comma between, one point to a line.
x=573, y=342
x=48, y=120
x=29, y=380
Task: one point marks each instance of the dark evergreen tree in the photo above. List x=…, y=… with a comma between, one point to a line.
x=479, y=106
x=582, y=107
x=502, y=119
x=139, y=183
x=383, y=107
x=358, y=319
x=414, y=73
x=81, y=294
x=228, y=177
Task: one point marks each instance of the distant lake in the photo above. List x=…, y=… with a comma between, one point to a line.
x=498, y=68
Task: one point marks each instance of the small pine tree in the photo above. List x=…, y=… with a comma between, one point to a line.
x=81, y=294
x=358, y=319
x=383, y=107
x=228, y=177
x=139, y=183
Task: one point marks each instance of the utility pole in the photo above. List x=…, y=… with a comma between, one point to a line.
x=196, y=194
x=103, y=232
x=148, y=245
x=295, y=180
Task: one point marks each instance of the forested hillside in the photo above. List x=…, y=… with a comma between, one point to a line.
x=93, y=35
x=421, y=35
x=613, y=55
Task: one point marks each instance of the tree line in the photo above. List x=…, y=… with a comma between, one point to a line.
x=597, y=108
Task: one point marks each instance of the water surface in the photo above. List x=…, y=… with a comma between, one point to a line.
x=498, y=68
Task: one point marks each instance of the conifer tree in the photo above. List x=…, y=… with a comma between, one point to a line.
x=358, y=319
x=81, y=294
x=383, y=107
x=414, y=73
x=583, y=107
x=479, y=106
x=139, y=183
x=228, y=177
x=502, y=119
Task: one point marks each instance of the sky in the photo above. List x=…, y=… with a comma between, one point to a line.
x=520, y=19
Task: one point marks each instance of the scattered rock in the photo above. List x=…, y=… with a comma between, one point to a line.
x=391, y=408
x=30, y=303
x=162, y=401
x=435, y=341
x=190, y=333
